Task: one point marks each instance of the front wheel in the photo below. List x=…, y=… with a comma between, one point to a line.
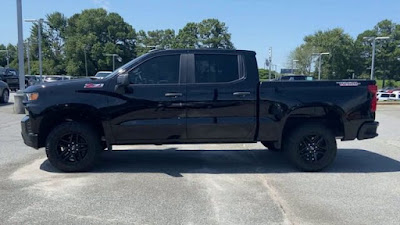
x=5, y=97
x=311, y=147
x=73, y=147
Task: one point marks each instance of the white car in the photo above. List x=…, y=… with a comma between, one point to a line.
x=383, y=96
x=102, y=74
x=395, y=96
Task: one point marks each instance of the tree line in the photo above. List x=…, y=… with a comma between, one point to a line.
x=350, y=57
x=95, y=32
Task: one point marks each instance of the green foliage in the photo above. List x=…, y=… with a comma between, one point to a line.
x=264, y=74
x=348, y=56
x=96, y=32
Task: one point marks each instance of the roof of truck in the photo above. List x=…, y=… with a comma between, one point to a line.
x=203, y=50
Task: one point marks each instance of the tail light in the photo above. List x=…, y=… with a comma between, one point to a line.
x=373, y=89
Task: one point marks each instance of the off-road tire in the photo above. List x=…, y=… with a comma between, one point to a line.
x=92, y=149
x=295, y=143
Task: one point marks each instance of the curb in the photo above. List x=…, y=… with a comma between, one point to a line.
x=388, y=103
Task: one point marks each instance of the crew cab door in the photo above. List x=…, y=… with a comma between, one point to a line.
x=221, y=98
x=154, y=112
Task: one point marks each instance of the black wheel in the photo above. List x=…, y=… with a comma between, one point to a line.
x=270, y=146
x=73, y=147
x=5, y=96
x=311, y=147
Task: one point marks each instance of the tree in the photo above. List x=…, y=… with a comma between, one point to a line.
x=97, y=32
x=214, y=34
x=304, y=57
x=163, y=39
x=264, y=74
x=188, y=37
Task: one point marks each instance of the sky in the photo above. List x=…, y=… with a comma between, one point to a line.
x=254, y=24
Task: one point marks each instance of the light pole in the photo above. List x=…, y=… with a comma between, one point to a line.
x=28, y=57
x=373, y=52
x=320, y=62
x=113, y=56
x=40, y=24
x=85, y=49
x=7, y=57
x=270, y=62
x=293, y=62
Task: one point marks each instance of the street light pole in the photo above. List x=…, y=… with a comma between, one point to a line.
x=28, y=57
x=113, y=58
x=293, y=64
x=85, y=63
x=40, y=23
x=320, y=62
x=21, y=66
x=373, y=52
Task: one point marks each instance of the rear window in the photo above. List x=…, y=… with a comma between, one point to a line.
x=385, y=95
x=216, y=68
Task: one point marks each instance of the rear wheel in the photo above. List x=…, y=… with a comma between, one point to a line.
x=5, y=96
x=73, y=147
x=311, y=147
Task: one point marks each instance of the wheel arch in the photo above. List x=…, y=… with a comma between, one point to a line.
x=56, y=115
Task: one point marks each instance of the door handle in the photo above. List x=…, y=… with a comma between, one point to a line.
x=241, y=93
x=173, y=95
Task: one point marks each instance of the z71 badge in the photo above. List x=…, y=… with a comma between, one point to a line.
x=93, y=85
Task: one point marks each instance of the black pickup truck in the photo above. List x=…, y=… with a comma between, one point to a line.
x=196, y=96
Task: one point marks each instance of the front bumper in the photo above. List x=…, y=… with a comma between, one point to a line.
x=30, y=139
x=368, y=130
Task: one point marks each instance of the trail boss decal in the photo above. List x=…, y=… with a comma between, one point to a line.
x=93, y=85
x=348, y=84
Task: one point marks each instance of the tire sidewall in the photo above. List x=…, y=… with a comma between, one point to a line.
x=5, y=93
x=292, y=143
x=87, y=133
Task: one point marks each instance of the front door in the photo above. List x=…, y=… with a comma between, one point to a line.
x=155, y=103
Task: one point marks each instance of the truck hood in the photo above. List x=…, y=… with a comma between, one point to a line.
x=63, y=85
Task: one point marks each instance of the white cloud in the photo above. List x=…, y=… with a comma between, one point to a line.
x=105, y=4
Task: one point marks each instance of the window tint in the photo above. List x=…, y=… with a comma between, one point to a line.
x=216, y=68
x=385, y=95
x=159, y=70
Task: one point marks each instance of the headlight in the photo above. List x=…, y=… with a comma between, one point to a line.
x=32, y=96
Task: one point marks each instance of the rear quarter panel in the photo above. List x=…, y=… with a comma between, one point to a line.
x=280, y=100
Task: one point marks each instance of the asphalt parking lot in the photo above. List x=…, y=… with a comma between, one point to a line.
x=225, y=184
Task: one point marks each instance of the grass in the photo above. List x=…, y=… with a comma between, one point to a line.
x=388, y=83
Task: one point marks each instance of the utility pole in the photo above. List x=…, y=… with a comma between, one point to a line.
x=373, y=52
x=270, y=62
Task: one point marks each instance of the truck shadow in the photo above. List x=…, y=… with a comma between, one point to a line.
x=177, y=162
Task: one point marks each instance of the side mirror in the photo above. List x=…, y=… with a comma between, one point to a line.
x=123, y=79
x=122, y=83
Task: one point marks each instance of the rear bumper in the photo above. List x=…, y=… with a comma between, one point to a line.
x=368, y=130
x=30, y=138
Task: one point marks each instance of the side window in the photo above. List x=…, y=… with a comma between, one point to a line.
x=216, y=68
x=159, y=70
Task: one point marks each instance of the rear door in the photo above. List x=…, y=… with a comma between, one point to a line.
x=221, y=99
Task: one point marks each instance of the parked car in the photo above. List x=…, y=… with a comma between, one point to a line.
x=4, y=92
x=10, y=76
x=196, y=96
x=32, y=79
x=383, y=96
x=295, y=77
x=395, y=96
x=54, y=78
x=102, y=74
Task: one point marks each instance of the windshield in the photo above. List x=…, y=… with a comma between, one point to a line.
x=54, y=78
x=102, y=74
x=126, y=67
